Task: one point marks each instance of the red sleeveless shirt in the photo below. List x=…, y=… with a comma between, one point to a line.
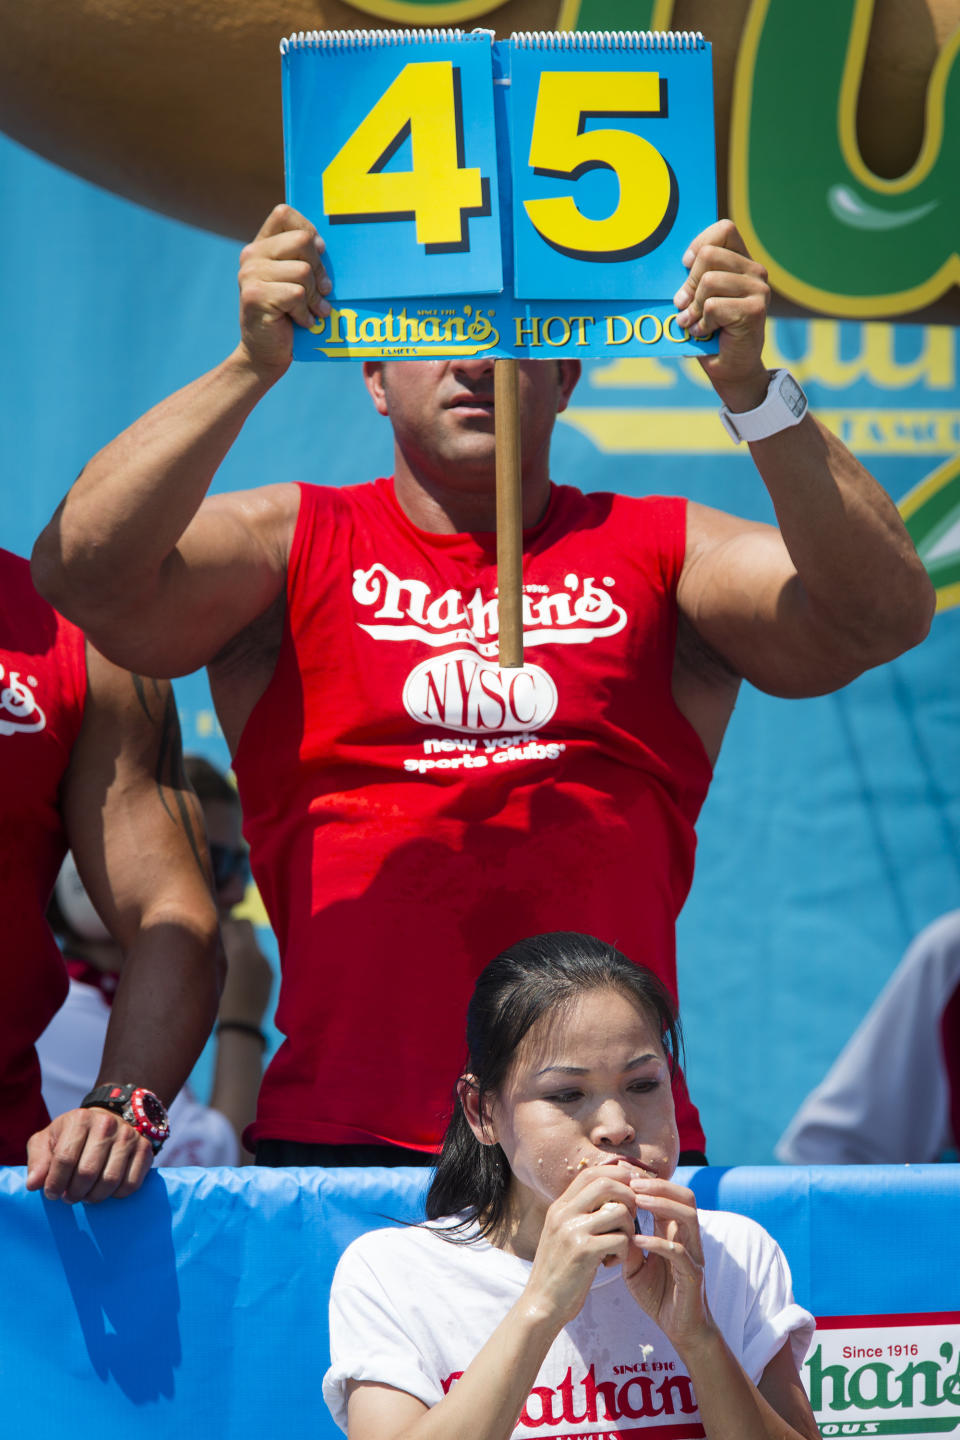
x=412, y=810
x=43, y=679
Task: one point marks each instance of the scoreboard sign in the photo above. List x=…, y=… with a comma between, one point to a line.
x=529, y=198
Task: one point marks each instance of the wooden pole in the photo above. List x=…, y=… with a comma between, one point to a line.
x=506, y=406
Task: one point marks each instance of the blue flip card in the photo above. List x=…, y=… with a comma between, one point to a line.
x=530, y=198
x=390, y=144
x=612, y=147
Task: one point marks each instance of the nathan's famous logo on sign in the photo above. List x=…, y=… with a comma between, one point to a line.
x=406, y=332
x=426, y=331
x=460, y=691
x=581, y=611
x=886, y=1374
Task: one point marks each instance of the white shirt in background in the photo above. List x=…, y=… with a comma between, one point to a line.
x=70, y=1049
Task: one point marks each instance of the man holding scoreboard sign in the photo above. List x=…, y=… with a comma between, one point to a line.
x=412, y=808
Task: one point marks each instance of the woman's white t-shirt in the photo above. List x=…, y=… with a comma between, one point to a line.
x=410, y=1309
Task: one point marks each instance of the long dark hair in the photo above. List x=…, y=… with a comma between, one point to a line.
x=513, y=992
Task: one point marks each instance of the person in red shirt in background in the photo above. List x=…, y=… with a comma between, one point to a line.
x=90, y=759
x=70, y=1047
x=411, y=809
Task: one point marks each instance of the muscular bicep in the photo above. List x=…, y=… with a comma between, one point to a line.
x=132, y=820
x=740, y=591
x=380, y=1412
x=227, y=568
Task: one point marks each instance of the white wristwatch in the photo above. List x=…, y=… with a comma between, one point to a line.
x=783, y=405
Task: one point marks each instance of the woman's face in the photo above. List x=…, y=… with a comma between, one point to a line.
x=588, y=1083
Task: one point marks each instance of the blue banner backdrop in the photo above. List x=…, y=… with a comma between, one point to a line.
x=832, y=833
x=199, y=1306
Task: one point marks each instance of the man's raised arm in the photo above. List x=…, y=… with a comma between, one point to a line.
x=839, y=588
x=157, y=576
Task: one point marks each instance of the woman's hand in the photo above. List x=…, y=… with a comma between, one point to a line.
x=664, y=1271
x=590, y=1224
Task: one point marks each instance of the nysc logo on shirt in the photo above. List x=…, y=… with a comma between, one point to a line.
x=19, y=712
x=461, y=691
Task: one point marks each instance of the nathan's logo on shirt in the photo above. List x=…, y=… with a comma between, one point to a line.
x=460, y=691
x=551, y=1413
x=583, y=610
x=19, y=712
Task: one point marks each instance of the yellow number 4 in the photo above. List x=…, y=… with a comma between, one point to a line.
x=560, y=146
x=423, y=102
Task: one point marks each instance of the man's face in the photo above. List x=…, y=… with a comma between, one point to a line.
x=442, y=413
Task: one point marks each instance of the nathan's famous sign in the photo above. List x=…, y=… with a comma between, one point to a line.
x=531, y=198
x=359, y=332
x=886, y=1375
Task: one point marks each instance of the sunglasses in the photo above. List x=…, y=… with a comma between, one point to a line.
x=227, y=864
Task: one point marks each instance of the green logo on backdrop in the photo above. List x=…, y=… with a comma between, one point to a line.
x=833, y=235
x=931, y=512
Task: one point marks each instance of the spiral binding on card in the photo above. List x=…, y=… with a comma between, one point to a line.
x=526, y=39
x=369, y=39
x=608, y=40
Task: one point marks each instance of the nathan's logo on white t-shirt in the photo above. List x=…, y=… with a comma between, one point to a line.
x=461, y=691
x=583, y=610
x=583, y=1407
x=19, y=712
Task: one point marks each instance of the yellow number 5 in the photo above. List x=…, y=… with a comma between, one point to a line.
x=423, y=102
x=561, y=146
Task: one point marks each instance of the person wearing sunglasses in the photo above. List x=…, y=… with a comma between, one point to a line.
x=241, y=1041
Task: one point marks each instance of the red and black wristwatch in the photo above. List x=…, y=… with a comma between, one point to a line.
x=140, y=1108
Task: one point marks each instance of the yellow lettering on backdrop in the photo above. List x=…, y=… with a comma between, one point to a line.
x=428, y=12
x=642, y=373
x=639, y=430
x=821, y=359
